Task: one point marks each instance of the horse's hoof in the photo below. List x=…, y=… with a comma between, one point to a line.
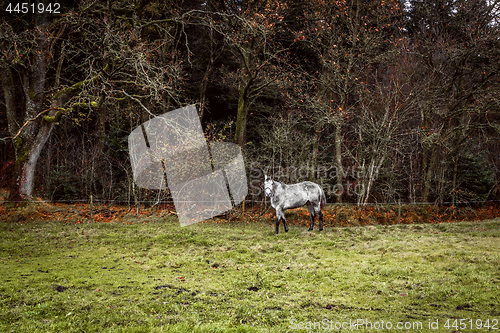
x=321, y=229
x=310, y=229
x=286, y=230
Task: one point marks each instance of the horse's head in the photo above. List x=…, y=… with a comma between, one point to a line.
x=268, y=185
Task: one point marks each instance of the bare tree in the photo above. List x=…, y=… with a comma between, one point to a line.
x=61, y=66
x=385, y=110
x=249, y=30
x=456, y=47
x=349, y=40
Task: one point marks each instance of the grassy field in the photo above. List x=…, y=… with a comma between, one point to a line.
x=147, y=274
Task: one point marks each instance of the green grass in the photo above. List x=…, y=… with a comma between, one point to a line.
x=154, y=276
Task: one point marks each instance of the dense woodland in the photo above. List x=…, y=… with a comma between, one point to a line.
x=377, y=101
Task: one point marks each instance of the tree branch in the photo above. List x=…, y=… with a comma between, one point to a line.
x=28, y=121
x=138, y=101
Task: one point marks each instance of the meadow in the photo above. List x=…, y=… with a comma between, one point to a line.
x=61, y=272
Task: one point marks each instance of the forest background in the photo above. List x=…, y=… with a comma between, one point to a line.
x=377, y=101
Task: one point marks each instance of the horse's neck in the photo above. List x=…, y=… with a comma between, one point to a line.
x=278, y=188
x=276, y=198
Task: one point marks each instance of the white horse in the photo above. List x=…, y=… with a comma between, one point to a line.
x=293, y=196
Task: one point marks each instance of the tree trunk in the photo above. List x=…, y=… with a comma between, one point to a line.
x=428, y=172
x=27, y=178
x=338, y=158
x=241, y=117
x=206, y=77
x=454, y=181
x=369, y=182
x=373, y=174
x=9, y=94
x=30, y=140
x=314, y=172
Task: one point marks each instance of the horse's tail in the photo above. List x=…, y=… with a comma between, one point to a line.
x=322, y=201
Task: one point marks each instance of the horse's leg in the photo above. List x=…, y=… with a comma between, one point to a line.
x=284, y=222
x=311, y=215
x=320, y=218
x=280, y=215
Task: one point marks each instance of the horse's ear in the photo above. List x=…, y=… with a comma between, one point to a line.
x=265, y=177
